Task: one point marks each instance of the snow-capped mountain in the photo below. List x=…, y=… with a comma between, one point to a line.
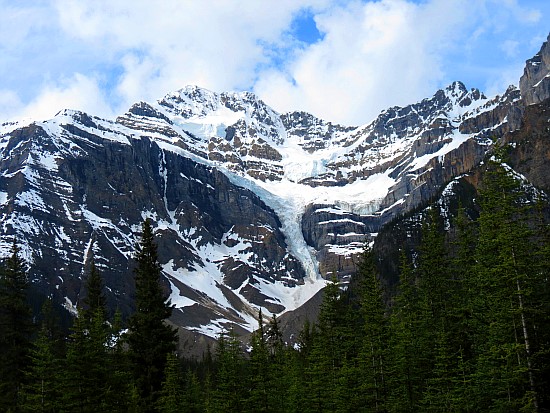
x=251, y=208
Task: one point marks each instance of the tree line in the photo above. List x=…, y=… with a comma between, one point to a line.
x=467, y=329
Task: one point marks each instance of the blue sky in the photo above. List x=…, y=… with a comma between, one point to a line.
x=344, y=61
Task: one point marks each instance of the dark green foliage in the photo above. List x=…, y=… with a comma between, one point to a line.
x=373, y=354
x=43, y=391
x=95, y=378
x=466, y=329
x=231, y=386
x=85, y=378
x=194, y=393
x=171, y=398
x=406, y=379
x=150, y=339
x=260, y=380
x=322, y=372
x=503, y=306
x=16, y=329
x=95, y=298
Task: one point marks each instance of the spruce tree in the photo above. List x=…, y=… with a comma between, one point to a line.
x=326, y=357
x=278, y=367
x=194, y=393
x=16, y=328
x=232, y=380
x=503, y=308
x=84, y=382
x=260, y=379
x=298, y=370
x=94, y=380
x=120, y=376
x=43, y=391
x=149, y=338
x=373, y=356
x=437, y=300
x=95, y=300
x=171, y=398
x=541, y=309
x=407, y=377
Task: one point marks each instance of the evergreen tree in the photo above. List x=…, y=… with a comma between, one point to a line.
x=95, y=300
x=327, y=354
x=460, y=315
x=373, y=357
x=503, y=308
x=278, y=367
x=229, y=394
x=258, y=399
x=298, y=369
x=437, y=299
x=119, y=390
x=194, y=394
x=407, y=377
x=150, y=339
x=171, y=398
x=94, y=380
x=84, y=381
x=16, y=328
x=43, y=391
x=274, y=337
x=541, y=309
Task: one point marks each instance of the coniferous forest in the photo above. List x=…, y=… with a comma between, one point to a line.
x=466, y=329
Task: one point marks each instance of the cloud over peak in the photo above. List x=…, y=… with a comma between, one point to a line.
x=341, y=60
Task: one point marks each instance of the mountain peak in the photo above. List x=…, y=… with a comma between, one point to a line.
x=535, y=82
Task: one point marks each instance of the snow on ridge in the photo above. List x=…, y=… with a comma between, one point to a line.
x=457, y=139
x=210, y=118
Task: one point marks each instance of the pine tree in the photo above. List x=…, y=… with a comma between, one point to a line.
x=407, y=377
x=298, y=369
x=16, y=328
x=278, y=367
x=229, y=394
x=460, y=314
x=150, y=339
x=91, y=382
x=373, y=357
x=171, y=398
x=43, y=391
x=117, y=397
x=327, y=353
x=437, y=300
x=82, y=389
x=258, y=399
x=503, y=307
x=541, y=308
x=194, y=394
x=95, y=300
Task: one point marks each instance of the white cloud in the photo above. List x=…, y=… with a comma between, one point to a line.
x=79, y=92
x=394, y=52
x=10, y=105
x=103, y=56
x=214, y=44
x=373, y=55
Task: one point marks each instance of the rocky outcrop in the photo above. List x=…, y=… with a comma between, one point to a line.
x=530, y=145
x=535, y=82
x=70, y=193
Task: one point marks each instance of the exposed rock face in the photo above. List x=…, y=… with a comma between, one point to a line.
x=535, y=82
x=252, y=208
x=70, y=194
x=530, y=145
